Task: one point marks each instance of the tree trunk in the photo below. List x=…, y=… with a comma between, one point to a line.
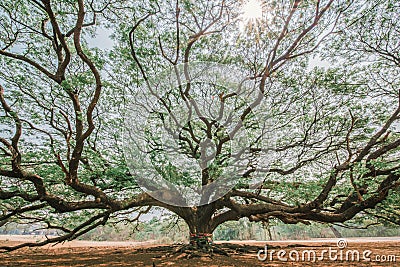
x=199, y=222
x=335, y=232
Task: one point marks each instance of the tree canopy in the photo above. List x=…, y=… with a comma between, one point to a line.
x=214, y=110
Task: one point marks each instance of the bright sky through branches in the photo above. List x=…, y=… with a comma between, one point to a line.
x=251, y=14
x=252, y=11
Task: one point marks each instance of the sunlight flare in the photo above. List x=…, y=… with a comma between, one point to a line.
x=251, y=14
x=252, y=11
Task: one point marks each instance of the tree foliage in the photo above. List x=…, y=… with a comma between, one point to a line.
x=335, y=128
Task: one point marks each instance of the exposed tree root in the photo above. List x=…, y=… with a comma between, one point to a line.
x=189, y=251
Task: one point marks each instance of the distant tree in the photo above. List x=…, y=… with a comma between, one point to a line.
x=279, y=138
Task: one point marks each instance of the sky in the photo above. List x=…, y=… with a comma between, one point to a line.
x=103, y=41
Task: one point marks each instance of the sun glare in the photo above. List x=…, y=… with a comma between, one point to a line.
x=251, y=14
x=252, y=11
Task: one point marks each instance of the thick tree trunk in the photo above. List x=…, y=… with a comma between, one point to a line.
x=200, y=227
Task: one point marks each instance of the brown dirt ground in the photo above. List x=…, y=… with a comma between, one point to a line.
x=241, y=254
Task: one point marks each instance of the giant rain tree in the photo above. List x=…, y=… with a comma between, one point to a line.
x=278, y=138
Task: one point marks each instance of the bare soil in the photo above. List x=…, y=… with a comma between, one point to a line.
x=240, y=254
